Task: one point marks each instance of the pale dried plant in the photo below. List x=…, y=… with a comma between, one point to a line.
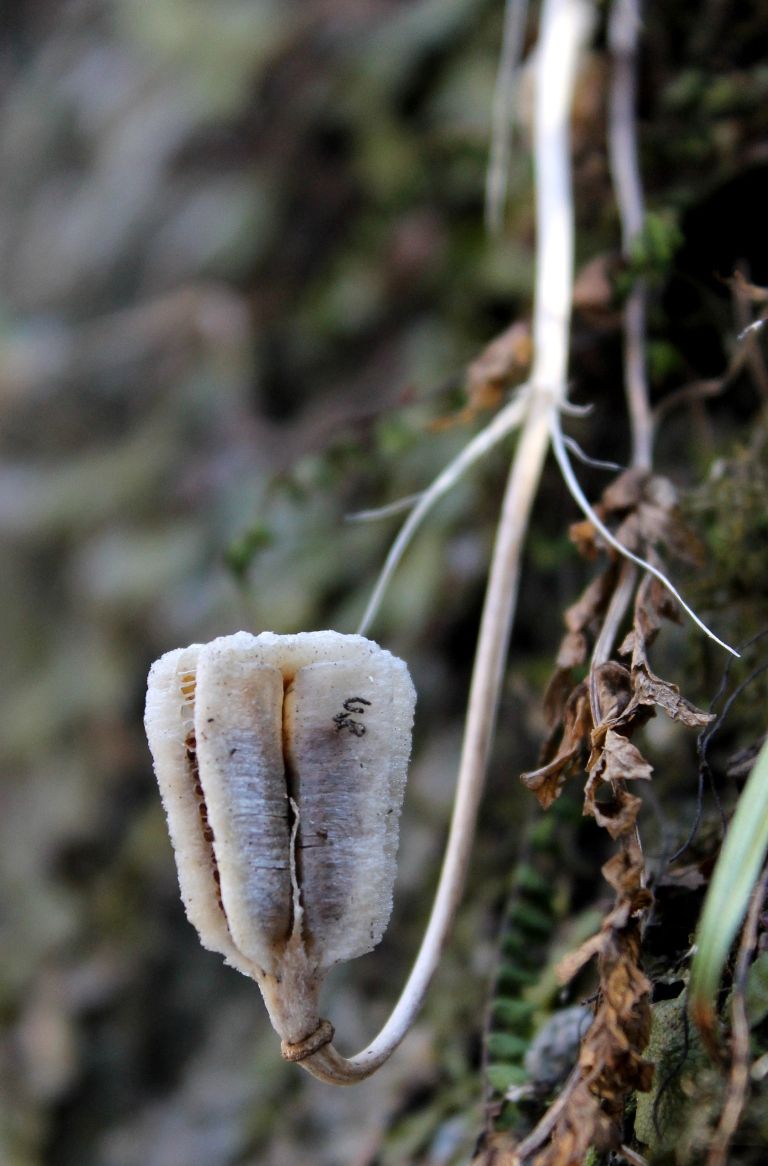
x=535, y=413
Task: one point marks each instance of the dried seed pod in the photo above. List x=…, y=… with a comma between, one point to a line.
x=281, y=762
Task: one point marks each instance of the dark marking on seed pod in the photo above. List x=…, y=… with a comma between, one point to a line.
x=345, y=720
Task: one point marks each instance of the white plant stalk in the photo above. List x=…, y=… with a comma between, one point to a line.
x=564, y=27
x=291, y=986
x=623, y=29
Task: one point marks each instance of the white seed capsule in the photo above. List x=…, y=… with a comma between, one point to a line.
x=281, y=762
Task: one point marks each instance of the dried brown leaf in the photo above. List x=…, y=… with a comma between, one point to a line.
x=652, y=690
x=618, y=815
x=643, y=512
x=582, y=1125
x=621, y=760
x=611, y=688
x=555, y=698
x=547, y=781
x=572, y=963
x=665, y=527
x=572, y=651
x=625, y=871
x=498, y=1151
x=625, y=492
x=591, y=604
x=501, y=362
x=611, y=1063
x=630, y=535
x=579, y=619
x=594, y=290
x=583, y=535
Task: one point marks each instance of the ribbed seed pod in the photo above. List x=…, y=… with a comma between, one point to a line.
x=281, y=762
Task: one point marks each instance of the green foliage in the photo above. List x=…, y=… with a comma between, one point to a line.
x=652, y=251
x=757, y=991
x=522, y=996
x=738, y=868
x=241, y=552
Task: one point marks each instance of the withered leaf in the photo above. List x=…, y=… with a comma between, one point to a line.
x=643, y=512
x=624, y=871
x=572, y=650
x=689, y=877
x=594, y=289
x=611, y=690
x=583, y=535
x=592, y=603
x=572, y=963
x=501, y=364
x=629, y=534
x=547, y=781
x=617, y=816
x=624, y=492
x=583, y=1124
x=503, y=360
x=653, y=604
x=611, y=1064
x=558, y=689
x=665, y=526
x=652, y=690
x=620, y=760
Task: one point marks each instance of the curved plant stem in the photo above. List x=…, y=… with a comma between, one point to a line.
x=571, y=481
x=563, y=28
x=497, y=178
x=622, y=151
x=498, y=610
x=504, y=423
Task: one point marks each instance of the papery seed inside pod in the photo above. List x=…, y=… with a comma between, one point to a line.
x=238, y=718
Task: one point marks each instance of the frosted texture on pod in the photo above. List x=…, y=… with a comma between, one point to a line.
x=281, y=761
x=347, y=738
x=169, y=721
x=238, y=717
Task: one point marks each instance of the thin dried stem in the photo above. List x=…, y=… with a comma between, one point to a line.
x=623, y=155
x=386, y=511
x=585, y=459
x=571, y=481
x=504, y=423
x=543, y=1130
x=620, y=600
x=563, y=28
x=497, y=178
x=633, y=1157
x=748, y=331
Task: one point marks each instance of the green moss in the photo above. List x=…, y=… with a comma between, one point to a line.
x=674, y=1121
